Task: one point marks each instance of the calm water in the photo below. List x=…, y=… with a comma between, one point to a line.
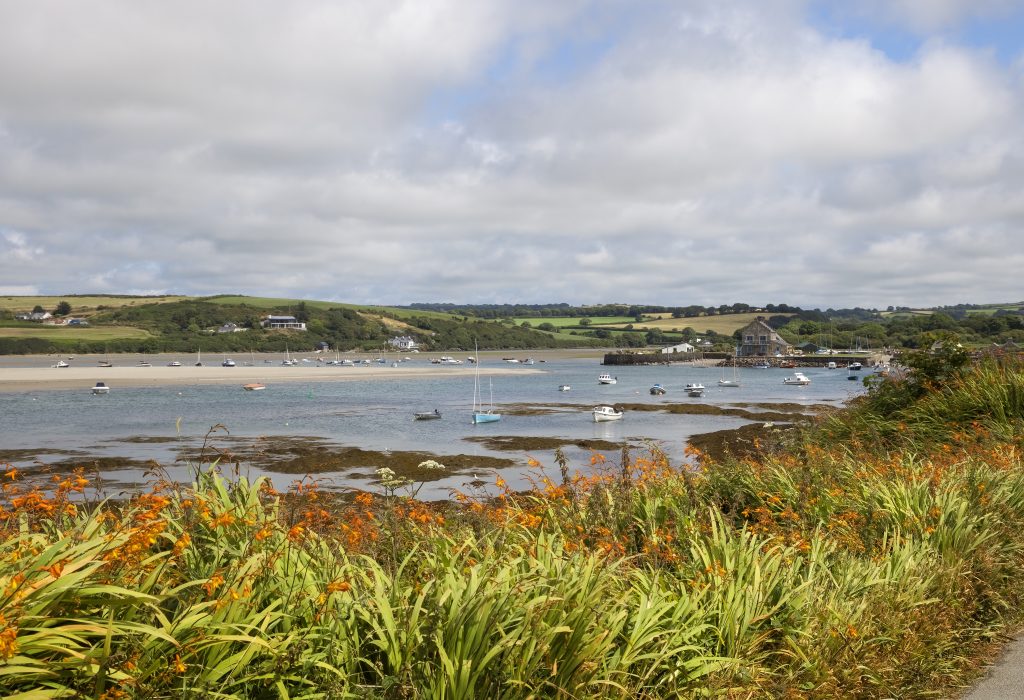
x=378, y=414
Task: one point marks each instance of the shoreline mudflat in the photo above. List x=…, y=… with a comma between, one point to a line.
x=19, y=379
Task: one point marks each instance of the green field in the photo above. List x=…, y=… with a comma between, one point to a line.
x=724, y=325
x=990, y=309
x=574, y=321
x=81, y=303
x=73, y=333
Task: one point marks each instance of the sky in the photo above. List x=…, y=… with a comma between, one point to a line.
x=817, y=153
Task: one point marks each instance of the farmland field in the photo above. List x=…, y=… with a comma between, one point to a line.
x=18, y=304
x=73, y=333
x=725, y=325
x=573, y=321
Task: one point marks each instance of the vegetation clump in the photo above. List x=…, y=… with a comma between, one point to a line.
x=820, y=568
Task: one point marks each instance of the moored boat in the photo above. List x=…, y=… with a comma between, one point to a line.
x=797, y=378
x=564, y=387
x=428, y=415
x=254, y=386
x=606, y=378
x=605, y=413
x=481, y=414
x=695, y=389
x=657, y=390
x=101, y=388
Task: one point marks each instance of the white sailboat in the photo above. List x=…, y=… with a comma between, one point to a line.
x=199, y=358
x=480, y=414
x=735, y=381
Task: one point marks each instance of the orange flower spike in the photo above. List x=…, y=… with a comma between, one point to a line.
x=339, y=586
x=179, y=665
x=215, y=582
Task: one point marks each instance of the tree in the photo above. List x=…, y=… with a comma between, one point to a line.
x=585, y=321
x=63, y=308
x=37, y=309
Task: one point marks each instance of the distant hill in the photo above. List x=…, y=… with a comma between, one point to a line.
x=124, y=323
x=155, y=324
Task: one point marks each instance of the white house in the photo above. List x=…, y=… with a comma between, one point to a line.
x=682, y=347
x=403, y=342
x=37, y=316
x=283, y=323
x=231, y=328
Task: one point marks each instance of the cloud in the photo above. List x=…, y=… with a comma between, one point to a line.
x=676, y=152
x=932, y=15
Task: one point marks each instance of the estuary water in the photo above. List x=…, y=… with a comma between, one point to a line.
x=158, y=423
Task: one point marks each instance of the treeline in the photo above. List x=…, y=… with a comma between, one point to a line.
x=901, y=331
x=561, y=310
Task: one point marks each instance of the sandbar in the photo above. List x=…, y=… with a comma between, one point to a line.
x=20, y=379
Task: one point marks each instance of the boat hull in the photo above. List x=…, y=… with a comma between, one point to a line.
x=486, y=417
x=603, y=414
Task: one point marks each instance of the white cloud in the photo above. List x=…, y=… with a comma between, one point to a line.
x=502, y=151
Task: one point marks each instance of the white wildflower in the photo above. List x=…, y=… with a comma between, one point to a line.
x=432, y=465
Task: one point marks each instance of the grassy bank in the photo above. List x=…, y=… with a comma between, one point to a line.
x=841, y=564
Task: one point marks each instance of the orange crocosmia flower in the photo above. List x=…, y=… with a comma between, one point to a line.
x=338, y=586
x=179, y=665
x=532, y=462
x=215, y=582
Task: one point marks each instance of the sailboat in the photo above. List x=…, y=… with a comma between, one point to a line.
x=199, y=358
x=480, y=415
x=735, y=381
x=288, y=361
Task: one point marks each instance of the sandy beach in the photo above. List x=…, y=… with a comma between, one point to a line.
x=82, y=377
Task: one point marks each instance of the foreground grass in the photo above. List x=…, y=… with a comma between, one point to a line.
x=825, y=570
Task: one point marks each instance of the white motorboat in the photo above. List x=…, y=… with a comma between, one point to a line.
x=797, y=379
x=174, y=363
x=255, y=386
x=564, y=387
x=606, y=378
x=695, y=389
x=101, y=388
x=228, y=362
x=831, y=365
x=854, y=366
x=605, y=413
x=61, y=364
x=657, y=390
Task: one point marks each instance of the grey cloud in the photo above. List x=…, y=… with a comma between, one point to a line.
x=372, y=153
